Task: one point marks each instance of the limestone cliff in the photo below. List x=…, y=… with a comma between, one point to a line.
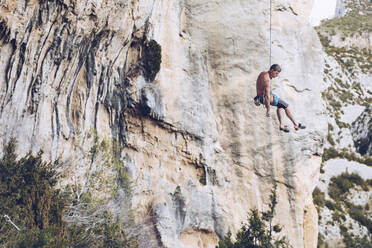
x=201, y=152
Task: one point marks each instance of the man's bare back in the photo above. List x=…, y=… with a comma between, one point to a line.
x=261, y=83
x=263, y=89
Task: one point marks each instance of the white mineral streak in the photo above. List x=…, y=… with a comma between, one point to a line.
x=351, y=113
x=207, y=155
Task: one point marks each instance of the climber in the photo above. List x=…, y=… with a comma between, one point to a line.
x=264, y=96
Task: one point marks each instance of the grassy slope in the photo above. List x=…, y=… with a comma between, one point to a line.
x=348, y=62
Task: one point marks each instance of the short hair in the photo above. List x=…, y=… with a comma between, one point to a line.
x=275, y=67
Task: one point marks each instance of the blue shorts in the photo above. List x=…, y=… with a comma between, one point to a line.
x=279, y=103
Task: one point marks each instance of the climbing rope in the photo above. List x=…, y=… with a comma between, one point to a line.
x=270, y=38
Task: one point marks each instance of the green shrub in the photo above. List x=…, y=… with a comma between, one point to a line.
x=258, y=233
x=352, y=24
x=322, y=171
x=318, y=197
x=29, y=198
x=338, y=216
x=329, y=135
x=330, y=139
x=357, y=213
x=356, y=242
x=321, y=242
x=369, y=182
x=345, y=181
x=332, y=206
x=337, y=190
x=342, y=124
x=343, y=228
x=331, y=153
x=341, y=185
x=330, y=127
x=152, y=59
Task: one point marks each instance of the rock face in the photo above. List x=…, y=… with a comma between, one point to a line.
x=340, y=8
x=201, y=152
x=348, y=75
x=362, y=133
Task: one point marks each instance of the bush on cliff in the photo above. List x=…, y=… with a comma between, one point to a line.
x=259, y=232
x=32, y=210
x=152, y=59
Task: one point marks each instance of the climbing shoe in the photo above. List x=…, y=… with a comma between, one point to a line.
x=284, y=129
x=300, y=126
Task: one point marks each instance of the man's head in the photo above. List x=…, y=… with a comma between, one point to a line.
x=274, y=70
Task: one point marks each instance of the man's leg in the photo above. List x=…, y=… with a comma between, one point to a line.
x=289, y=115
x=279, y=117
x=281, y=126
x=282, y=104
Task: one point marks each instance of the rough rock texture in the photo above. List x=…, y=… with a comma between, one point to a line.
x=362, y=133
x=340, y=8
x=202, y=154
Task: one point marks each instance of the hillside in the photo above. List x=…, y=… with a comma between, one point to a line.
x=344, y=193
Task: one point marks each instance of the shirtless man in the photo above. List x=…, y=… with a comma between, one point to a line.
x=265, y=96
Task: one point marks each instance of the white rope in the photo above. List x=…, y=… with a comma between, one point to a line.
x=270, y=37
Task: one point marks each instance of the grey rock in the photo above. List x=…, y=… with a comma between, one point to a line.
x=152, y=103
x=362, y=132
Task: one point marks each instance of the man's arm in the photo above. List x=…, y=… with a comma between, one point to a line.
x=267, y=94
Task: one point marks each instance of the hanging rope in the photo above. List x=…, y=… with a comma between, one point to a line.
x=270, y=38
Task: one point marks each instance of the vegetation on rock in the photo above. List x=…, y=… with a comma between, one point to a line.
x=48, y=217
x=330, y=153
x=349, y=58
x=260, y=232
x=341, y=206
x=356, y=20
x=152, y=59
x=318, y=198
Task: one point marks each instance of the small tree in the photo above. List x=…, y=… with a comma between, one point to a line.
x=28, y=197
x=38, y=211
x=258, y=233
